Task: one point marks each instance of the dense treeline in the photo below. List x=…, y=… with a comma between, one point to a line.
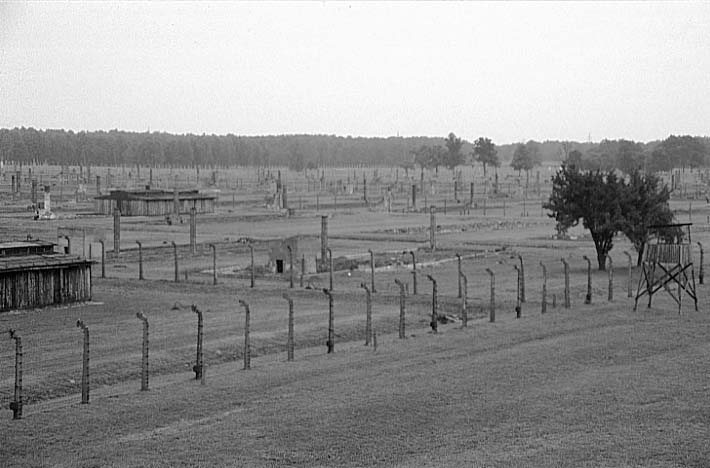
x=116, y=148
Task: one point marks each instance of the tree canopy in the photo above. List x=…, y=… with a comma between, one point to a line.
x=453, y=156
x=485, y=152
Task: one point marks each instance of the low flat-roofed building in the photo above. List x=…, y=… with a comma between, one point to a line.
x=32, y=275
x=152, y=202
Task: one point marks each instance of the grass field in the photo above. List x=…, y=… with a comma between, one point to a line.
x=592, y=386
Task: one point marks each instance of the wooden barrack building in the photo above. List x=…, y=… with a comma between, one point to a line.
x=152, y=202
x=33, y=275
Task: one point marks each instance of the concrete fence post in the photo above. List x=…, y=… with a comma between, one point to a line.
x=543, y=307
x=289, y=342
x=372, y=271
x=16, y=404
x=701, y=273
x=85, y=363
x=522, y=278
x=144, y=362
x=116, y=231
x=518, y=306
x=458, y=261
x=214, y=264
x=103, y=259
x=193, y=230
x=140, y=260
x=492, y=309
x=567, y=298
x=434, y=306
x=588, y=297
x=402, y=306
x=368, y=314
x=247, y=349
x=629, y=280
x=611, y=279
x=303, y=269
x=251, y=254
x=198, y=368
x=290, y=266
x=331, y=322
x=432, y=227
x=464, y=301
x=175, y=254
x=330, y=268
x=414, y=272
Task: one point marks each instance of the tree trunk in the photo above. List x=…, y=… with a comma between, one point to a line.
x=639, y=258
x=601, y=260
x=484, y=170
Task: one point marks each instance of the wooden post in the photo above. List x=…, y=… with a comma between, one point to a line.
x=372, y=271
x=303, y=269
x=199, y=364
x=368, y=313
x=434, y=305
x=611, y=279
x=193, y=230
x=331, y=325
x=567, y=298
x=251, y=252
x=414, y=271
x=701, y=273
x=144, y=366
x=518, y=307
x=16, y=404
x=522, y=279
x=432, y=227
x=175, y=254
x=116, y=231
x=458, y=259
x=140, y=260
x=492, y=310
x=543, y=308
x=214, y=264
x=85, y=364
x=290, y=263
x=464, y=301
x=103, y=259
x=588, y=297
x=402, y=306
x=247, y=349
x=289, y=343
x=629, y=293
x=330, y=268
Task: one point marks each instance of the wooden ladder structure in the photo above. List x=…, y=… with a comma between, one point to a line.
x=668, y=264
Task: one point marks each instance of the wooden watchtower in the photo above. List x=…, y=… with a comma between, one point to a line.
x=668, y=264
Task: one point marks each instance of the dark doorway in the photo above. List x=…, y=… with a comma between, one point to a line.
x=279, y=266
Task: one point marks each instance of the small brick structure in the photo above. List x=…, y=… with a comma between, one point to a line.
x=302, y=247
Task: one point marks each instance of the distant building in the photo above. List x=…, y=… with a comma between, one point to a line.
x=302, y=248
x=151, y=202
x=33, y=275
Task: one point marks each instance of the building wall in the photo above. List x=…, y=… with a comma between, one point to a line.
x=154, y=207
x=42, y=287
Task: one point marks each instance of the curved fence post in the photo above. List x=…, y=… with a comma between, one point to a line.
x=331, y=325
x=372, y=271
x=518, y=307
x=214, y=263
x=247, y=349
x=144, y=363
x=199, y=363
x=368, y=314
x=543, y=307
x=330, y=268
x=492, y=310
x=103, y=259
x=567, y=299
x=402, y=305
x=458, y=261
x=464, y=300
x=290, y=266
x=611, y=279
x=251, y=253
x=522, y=278
x=85, y=363
x=175, y=255
x=434, y=306
x=588, y=297
x=701, y=273
x=16, y=404
x=289, y=343
x=629, y=293
x=140, y=260
x=414, y=272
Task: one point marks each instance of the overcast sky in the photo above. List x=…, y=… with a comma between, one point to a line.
x=510, y=71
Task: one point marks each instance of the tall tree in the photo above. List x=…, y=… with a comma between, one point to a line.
x=453, y=156
x=595, y=198
x=645, y=202
x=522, y=159
x=485, y=152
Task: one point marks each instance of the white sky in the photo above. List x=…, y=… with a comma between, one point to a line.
x=510, y=71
